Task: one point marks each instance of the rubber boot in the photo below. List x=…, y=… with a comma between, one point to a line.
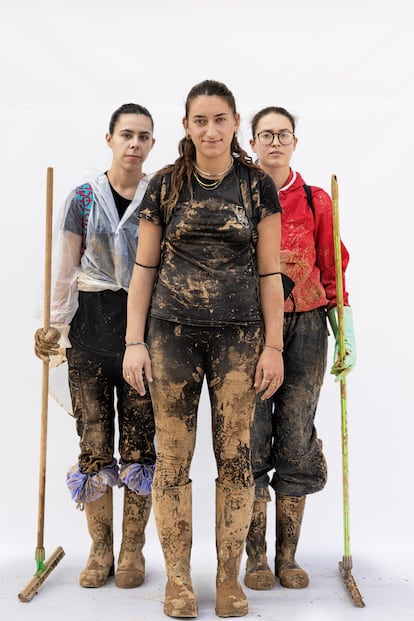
x=258, y=574
x=100, y=563
x=173, y=518
x=233, y=515
x=289, y=514
x=130, y=572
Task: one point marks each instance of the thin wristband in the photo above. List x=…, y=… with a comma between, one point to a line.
x=270, y=274
x=128, y=344
x=279, y=349
x=148, y=267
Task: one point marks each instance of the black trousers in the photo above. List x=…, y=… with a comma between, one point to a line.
x=99, y=392
x=284, y=438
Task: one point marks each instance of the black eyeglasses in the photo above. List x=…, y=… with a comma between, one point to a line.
x=266, y=137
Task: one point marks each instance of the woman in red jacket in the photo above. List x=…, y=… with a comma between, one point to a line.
x=284, y=438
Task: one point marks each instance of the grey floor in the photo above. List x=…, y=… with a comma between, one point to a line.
x=386, y=586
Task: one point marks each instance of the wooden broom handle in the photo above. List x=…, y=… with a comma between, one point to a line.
x=45, y=369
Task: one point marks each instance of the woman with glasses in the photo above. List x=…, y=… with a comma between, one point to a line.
x=215, y=215
x=284, y=439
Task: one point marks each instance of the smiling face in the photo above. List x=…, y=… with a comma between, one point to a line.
x=275, y=155
x=131, y=141
x=211, y=124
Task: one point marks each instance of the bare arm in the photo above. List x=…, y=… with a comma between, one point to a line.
x=137, y=360
x=269, y=370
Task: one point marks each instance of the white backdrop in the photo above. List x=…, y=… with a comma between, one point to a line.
x=345, y=69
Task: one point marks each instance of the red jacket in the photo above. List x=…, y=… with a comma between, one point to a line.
x=307, y=246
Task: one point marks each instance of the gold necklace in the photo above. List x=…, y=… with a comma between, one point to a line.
x=211, y=185
x=206, y=174
x=207, y=186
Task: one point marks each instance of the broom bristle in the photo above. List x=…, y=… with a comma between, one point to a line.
x=350, y=585
x=32, y=587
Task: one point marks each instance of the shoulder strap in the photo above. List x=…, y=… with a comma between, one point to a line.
x=250, y=193
x=84, y=196
x=308, y=193
x=165, y=191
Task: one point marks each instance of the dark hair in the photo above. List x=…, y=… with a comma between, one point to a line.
x=269, y=110
x=182, y=168
x=128, y=108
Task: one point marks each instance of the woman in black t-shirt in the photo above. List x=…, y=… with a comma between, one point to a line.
x=94, y=253
x=210, y=226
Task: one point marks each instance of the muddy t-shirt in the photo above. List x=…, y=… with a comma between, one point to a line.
x=207, y=275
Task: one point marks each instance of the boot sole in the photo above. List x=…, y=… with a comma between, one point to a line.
x=227, y=612
x=261, y=580
x=188, y=611
x=131, y=582
x=92, y=582
x=299, y=580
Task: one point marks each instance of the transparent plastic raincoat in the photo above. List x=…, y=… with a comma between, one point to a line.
x=93, y=250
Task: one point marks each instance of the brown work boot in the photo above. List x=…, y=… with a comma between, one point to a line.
x=233, y=514
x=130, y=572
x=173, y=518
x=258, y=574
x=289, y=514
x=100, y=563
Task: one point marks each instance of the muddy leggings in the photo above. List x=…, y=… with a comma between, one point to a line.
x=94, y=381
x=181, y=357
x=284, y=438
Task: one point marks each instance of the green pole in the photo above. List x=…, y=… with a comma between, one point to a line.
x=345, y=566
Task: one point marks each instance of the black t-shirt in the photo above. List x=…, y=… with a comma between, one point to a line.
x=99, y=323
x=207, y=274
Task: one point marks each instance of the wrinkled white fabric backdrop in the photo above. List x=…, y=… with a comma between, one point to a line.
x=345, y=70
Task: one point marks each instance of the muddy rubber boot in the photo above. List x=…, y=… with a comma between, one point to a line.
x=130, y=572
x=100, y=563
x=233, y=515
x=173, y=518
x=289, y=514
x=258, y=574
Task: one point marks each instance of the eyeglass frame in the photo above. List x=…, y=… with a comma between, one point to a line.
x=269, y=131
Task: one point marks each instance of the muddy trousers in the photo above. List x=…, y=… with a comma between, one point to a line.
x=283, y=436
x=284, y=440
x=181, y=357
x=94, y=381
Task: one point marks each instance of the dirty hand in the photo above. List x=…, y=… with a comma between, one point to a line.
x=46, y=343
x=51, y=344
x=269, y=373
x=341, y=368
x=136, y=366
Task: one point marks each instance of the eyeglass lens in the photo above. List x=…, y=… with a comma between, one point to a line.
x=266, y=137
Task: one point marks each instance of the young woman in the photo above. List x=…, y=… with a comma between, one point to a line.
x=95, y=251
x=284, y=437
x=216, y=217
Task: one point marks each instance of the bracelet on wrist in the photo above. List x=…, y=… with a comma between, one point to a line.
x=129, y=343
x=279, y=349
